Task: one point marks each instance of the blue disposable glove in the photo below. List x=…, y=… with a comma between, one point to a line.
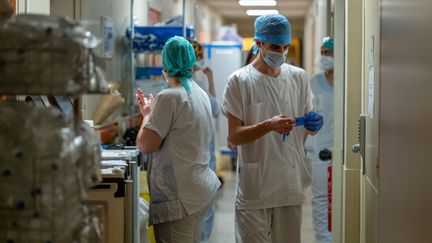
x=313, y=121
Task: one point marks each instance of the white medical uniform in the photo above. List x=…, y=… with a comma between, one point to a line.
x=323, y=103
x=180, y=181
x=270, y=172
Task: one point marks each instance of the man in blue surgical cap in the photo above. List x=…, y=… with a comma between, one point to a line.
x=322, y=87
x=262, y=101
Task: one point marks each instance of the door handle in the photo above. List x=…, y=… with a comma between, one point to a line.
x=356, y=148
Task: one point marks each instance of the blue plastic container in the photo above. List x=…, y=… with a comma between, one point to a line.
x=146, y=72
x=153, y=38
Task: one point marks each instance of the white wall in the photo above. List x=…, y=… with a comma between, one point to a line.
x=140, y=11
x=116, y=68
x=208, y=24
x=309, y=40
x=198, y=14
x=33, y=6
x=315, y=27
x=90, y=12
x=63, y=8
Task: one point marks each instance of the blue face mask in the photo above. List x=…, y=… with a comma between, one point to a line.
x=274, y=59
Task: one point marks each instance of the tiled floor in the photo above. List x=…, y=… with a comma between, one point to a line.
x=223, y=230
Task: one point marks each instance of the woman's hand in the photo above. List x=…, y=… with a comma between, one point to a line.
x=143, y=102
x=208, y=72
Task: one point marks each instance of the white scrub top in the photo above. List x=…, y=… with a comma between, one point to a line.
x=180, y=180
x=270, y=170
x=324, y=104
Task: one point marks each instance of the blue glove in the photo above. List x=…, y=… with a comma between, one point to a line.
x=313, y=121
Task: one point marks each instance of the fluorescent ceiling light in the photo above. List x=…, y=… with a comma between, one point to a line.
x=257, y=12
x=257, y=3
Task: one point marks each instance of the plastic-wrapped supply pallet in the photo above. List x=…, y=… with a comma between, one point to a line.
x=89, y=162
x=41, y=177
x=48, y=55
x=91, y=228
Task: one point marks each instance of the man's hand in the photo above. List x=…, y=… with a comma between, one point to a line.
x=240, y=134
x=313, y=121
x=281, y=124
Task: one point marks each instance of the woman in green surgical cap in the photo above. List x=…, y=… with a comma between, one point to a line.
x=177, y=128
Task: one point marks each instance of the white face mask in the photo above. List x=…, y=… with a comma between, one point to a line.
x=200, y=64
x=274, y=59
x=326, y=63
x=165, y=76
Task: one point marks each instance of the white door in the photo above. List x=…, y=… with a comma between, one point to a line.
x=224, y=58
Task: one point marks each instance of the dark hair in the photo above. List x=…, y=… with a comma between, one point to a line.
x=250, y=56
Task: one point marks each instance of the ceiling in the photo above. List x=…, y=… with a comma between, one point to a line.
x=233, y=13
x=232, y=9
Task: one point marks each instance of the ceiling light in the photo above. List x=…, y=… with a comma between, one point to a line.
x=257, y=12
x=257, y=3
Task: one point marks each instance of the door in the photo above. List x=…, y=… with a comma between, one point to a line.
x=348, y=102
x=370, y=109
x=405, y=192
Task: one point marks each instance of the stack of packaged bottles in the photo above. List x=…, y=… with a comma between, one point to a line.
x=48, y=159
x=44, y=54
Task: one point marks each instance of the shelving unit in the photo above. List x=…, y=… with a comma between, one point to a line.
x=49, y=157
x=147, y=45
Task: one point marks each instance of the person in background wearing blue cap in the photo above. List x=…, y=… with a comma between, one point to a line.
x=322, y=87
x=261, y=102
x=177, y=128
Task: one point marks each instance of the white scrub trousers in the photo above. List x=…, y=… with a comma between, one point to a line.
x=320, y=201
x=184, y=230
x=269, y=225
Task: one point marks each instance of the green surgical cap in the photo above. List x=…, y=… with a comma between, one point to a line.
x=178, y=58
x=328, y=43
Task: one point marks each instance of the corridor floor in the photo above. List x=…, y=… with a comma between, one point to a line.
x=223, y=230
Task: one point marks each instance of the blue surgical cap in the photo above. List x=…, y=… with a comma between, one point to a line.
x=328, y=43
x=178, y=58
x=273, y=28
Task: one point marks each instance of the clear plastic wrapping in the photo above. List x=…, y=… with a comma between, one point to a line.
x=91, y=228
x=48, y=55
x=44, y=167
x=89, y=164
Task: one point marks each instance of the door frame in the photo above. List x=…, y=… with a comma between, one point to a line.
x=347, y=90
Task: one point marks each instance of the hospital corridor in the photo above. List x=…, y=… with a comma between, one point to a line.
x=223, y=229
x=215, y=121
